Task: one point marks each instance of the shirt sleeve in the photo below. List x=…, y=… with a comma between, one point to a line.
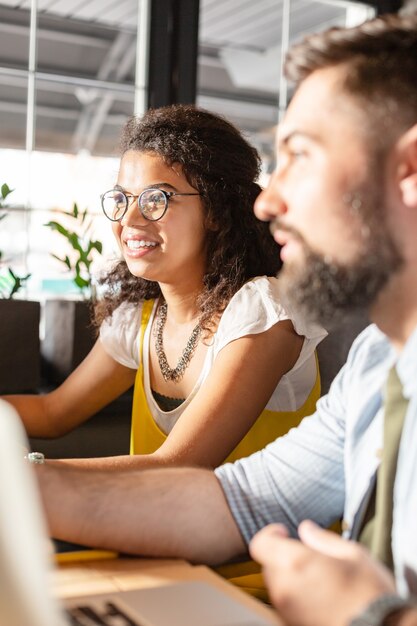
x=119, y=334
x=298, y=476
x=303, y=475
x=254, y=309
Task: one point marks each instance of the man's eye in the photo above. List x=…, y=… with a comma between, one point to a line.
x=296, y=153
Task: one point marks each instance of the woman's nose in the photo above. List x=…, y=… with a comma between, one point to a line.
x=133, y=215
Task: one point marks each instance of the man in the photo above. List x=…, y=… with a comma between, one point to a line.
x=343, y=204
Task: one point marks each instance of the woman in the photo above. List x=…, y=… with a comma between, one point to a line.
x=190, y=316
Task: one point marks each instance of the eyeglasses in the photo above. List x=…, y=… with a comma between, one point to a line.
x=152, y=203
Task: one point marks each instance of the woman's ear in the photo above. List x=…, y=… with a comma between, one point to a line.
x=210, y=224
x=408, y=168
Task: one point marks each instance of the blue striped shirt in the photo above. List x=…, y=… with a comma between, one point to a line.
x=322, y=470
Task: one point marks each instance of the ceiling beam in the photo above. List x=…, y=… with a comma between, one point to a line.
x=117, y=62
x=62, y=82
x=60, y=36
x=49, y=112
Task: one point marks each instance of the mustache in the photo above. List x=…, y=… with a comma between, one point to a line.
x=277, y=224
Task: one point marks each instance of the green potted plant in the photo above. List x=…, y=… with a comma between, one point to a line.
x=19, y=339
x=84, y=247
x=69, y=335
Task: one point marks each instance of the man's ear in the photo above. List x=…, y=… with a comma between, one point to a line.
x=408, y=168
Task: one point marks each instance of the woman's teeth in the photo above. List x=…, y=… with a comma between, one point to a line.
x=135, y=244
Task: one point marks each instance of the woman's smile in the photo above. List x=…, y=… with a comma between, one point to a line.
x=135, y=247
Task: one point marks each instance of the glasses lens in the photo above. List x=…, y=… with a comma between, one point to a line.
x=114, y=204
x=152, y=203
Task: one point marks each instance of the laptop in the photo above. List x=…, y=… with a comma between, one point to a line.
x=191, y=603
x=24, y=548
x=26, y=563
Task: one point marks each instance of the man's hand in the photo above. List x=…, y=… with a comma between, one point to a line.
x=322, y=580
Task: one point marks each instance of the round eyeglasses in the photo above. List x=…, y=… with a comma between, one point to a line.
x=152, y=203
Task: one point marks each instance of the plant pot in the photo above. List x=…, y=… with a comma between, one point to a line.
x=69, y=337
x=19, y=346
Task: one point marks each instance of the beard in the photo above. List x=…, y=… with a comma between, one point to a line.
x=326, y=292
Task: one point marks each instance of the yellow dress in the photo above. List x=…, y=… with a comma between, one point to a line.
x=146, y=437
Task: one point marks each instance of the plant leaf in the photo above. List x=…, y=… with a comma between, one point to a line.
x=98, y=246
x=5, y=190
x=81, y=282
x=65, y=261
x=11, y=283
x=59, y=228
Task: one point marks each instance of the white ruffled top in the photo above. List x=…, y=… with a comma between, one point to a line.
x=255, y=308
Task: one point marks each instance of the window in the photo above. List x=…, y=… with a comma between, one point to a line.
x=240, y=51
x=61, y=111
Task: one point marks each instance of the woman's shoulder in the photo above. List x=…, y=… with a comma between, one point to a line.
x=258, y=306
x=126, y=315
x=253, y=309
x=257, y=302
x=119, y=333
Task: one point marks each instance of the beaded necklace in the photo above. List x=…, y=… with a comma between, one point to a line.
x=178, y=372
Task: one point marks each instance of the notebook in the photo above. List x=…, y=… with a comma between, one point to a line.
x=26, y=563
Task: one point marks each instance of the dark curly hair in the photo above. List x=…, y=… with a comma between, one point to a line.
x=218, y=162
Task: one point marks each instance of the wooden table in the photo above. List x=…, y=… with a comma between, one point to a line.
x=125, y=574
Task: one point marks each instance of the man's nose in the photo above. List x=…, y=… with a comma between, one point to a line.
x=269, y=204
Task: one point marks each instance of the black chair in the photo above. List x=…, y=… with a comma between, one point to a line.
x=333, y=350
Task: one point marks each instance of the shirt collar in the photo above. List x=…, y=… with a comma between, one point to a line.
x=407, y=366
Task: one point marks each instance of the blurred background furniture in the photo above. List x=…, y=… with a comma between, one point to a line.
x=333, y=350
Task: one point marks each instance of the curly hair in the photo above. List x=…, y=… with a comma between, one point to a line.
x=218, y=162
x=380, y=60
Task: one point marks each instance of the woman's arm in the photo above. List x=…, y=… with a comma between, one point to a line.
x=243, y=378
x=98, y=380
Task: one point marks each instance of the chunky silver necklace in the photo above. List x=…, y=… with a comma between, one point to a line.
x=178, y=372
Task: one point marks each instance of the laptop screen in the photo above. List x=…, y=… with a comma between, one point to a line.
x=24, y=548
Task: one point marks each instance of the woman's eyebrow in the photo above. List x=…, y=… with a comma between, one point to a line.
x=151, y=186
x=158, y=185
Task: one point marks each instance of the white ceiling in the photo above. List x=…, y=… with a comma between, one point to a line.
x=86, y=60
x=241, y=22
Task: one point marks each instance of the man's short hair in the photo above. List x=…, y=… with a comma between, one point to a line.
x=380, y=61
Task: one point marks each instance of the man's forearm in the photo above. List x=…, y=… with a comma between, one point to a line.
x=170, y=512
